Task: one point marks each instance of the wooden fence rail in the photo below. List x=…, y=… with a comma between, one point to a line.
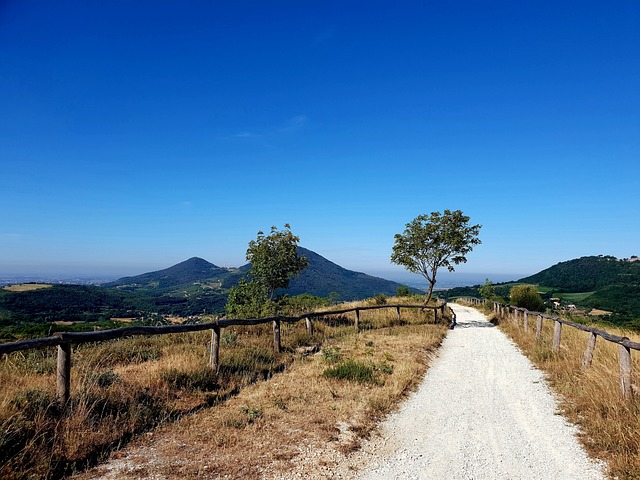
x=626, y=386
x=64, y=340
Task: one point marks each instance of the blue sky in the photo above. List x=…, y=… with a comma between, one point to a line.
x=134, y=135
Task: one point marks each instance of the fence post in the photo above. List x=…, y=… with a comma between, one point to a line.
x=309, y=325
x=625, y=372
x=357, y=320
x=63, y=382
x=215, y=349
x=398, y=315
x=557, y=333
x=525, y=320
x=276, y=336
x=539, y=327
x=435, y=315
x=515, y=316
x=588, y=353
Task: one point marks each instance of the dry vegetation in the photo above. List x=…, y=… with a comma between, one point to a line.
x=590, y=398
x=225, y=425
x=26, y=287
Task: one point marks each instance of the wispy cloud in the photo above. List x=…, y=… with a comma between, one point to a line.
x=294, y=124
x=291, y=125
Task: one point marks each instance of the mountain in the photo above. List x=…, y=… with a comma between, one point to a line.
x=192, y=270
x=600, y=282
x=586, y=274
x=323, y=277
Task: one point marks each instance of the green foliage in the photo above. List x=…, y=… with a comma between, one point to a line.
x=403, y=291
x=526, y=296
x=274, y=259
x=487, y=291
x=352, y=371
x=249, y=299
x=587, y=274
x=380, y=299
x=331, y=354
x=433, y=241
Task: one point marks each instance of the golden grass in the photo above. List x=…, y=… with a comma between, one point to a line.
x=123, y=388
x=590, y=398
x=26, y=287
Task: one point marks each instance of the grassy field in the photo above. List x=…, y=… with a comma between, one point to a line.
x=124, y=388
x=591, y=397
x=26, y=287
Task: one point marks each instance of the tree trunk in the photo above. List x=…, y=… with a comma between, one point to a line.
x=428, y=297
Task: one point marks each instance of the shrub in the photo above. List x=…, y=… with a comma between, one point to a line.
x=403, y=291
x=352, y=371
x=380, y=299
x=526, y=296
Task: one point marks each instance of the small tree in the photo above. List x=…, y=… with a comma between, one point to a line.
x=249, y=300
x=526, y=296
x=487, y=291
x=274, y=259
x=430, y=242
x=274, y=262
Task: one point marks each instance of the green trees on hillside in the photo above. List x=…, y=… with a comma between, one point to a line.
x=430, y=242
x=274, y=262
x=526, y=296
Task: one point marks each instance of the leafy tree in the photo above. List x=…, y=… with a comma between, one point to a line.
x=526, y=296
x=403, y=291
x=274, y=262
x=274, y=259
x=249, y=299
x=430, y=242
x=487, y=291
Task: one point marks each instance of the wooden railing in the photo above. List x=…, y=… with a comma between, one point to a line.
x=626, y=385
x=64, y=340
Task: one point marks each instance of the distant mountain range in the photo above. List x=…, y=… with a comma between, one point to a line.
x=190, y=288
x=599, y=282
x=321, y=278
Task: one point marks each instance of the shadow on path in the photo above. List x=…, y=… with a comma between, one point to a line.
x=475, y=324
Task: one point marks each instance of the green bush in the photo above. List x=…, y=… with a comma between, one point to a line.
x=526, y=296
x=403, y=291
x=352, y=371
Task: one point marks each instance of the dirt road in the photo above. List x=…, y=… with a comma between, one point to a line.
x=482, y=412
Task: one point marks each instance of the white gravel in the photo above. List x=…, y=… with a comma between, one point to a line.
x=482, y=412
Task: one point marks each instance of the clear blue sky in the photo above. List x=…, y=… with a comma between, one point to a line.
x=134, y=135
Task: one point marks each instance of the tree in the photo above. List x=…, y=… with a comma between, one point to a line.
x=274, y=259
x=430, y=242
x=274, y=262
x=526, y=296
x=487, y=291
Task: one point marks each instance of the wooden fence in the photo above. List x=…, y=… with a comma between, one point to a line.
x=515, y=313
x=64, y=340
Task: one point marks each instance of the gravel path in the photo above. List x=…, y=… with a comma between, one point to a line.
x=482, y=412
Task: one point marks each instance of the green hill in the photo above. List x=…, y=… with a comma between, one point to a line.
x=595, y=282
x=587, y=274
x=190, y=288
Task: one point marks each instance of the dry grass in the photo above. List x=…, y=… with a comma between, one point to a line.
x=124, y=388
x=590, y=398
x=26, y=287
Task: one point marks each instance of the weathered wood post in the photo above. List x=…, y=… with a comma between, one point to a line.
x=557, y=334
x=515, y=316
x=398, y=315
x=357, y=320
x=277, y=347
x=539, y=327
x=525, y=320
x=63, y=382
x=214, y=353
x=625, y=371
x=309, y=325
x=435, y=315
x=587, y=358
